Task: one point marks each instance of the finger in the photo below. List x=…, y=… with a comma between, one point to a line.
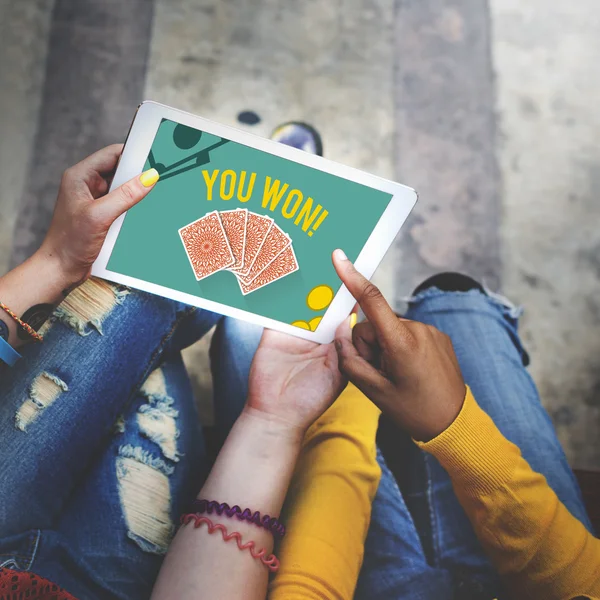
x=364, y=338
x=97, y=185
x=368, y=296
x=103, y=161
x=125, y=196
x=95, y=170
x=364, y=376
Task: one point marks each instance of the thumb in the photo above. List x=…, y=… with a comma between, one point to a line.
x=121, y=199
x=362, y=374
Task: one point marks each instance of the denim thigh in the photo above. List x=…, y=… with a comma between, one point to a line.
x=110, y=538
x=60, y=402
x=484, y=334
x=395, y=565
x=233, y=347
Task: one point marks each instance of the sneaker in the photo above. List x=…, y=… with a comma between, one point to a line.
x=299, y=135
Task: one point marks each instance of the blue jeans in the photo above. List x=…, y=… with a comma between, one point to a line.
x=100, y=440
x=102, y=451
x=421, y=544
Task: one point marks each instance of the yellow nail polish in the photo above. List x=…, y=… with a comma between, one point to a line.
x=353, y=319
x=149, y=177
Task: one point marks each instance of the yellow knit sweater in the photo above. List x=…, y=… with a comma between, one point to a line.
x=538, y=547
x=336, y=475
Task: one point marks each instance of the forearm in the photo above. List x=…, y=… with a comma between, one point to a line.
x=252, y=470
x=39, y=282
x=538, y=547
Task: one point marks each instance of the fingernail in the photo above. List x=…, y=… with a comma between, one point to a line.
x=353, y=319
x=340, y=254
x=149, y=177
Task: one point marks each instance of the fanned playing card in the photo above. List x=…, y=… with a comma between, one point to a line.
x=234, y=223
x=206, y=245
x=274, y=243
x=257, y=228
x=283, y=265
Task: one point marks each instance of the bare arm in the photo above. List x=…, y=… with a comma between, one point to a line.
x=31, y=291
x=292, y=382
x=252, y=470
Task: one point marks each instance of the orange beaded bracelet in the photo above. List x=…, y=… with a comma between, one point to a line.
x=32, y=332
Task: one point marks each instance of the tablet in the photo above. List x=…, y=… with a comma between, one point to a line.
x=245, y=226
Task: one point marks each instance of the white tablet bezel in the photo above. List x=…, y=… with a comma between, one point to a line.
x=140, y=139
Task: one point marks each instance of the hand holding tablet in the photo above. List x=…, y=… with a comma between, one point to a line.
x=245, y=226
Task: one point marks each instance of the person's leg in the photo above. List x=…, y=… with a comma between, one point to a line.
x=111, y=536
x=59, y=403
x=483, y=330
x=394, y=564
x=232, y=350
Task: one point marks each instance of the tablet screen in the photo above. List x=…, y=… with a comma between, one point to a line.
x=242, y=227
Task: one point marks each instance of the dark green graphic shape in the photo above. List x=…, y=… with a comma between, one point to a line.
x=182, y=137
x=186, y=137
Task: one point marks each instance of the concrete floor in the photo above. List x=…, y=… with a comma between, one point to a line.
x=547, y=98
x=488, y=109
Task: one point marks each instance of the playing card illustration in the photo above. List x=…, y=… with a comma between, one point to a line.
x=234, y=239
x=257, y=229
x=234, y=223
x=274, y=243
x=283, y=265
x=206, y=245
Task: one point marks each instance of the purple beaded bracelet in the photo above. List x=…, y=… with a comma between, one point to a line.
x=209, y=506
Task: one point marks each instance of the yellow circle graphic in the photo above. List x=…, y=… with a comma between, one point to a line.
x=319, y=297
x=314, y=323
x=301, y=324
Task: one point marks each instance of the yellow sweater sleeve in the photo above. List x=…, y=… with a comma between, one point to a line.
x=539, y=548
x=328, y=507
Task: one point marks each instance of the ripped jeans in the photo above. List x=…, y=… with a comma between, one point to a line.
x=99, y=437
x=421, y=544
x=101, y=450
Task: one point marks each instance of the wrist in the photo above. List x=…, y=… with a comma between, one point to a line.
x=52, y=264
x=272, y=427
x=440, y=417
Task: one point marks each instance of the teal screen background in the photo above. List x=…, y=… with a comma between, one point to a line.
x=149, y=247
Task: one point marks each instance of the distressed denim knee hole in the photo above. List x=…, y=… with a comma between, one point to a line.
x=145, y=496
x=88, y=306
